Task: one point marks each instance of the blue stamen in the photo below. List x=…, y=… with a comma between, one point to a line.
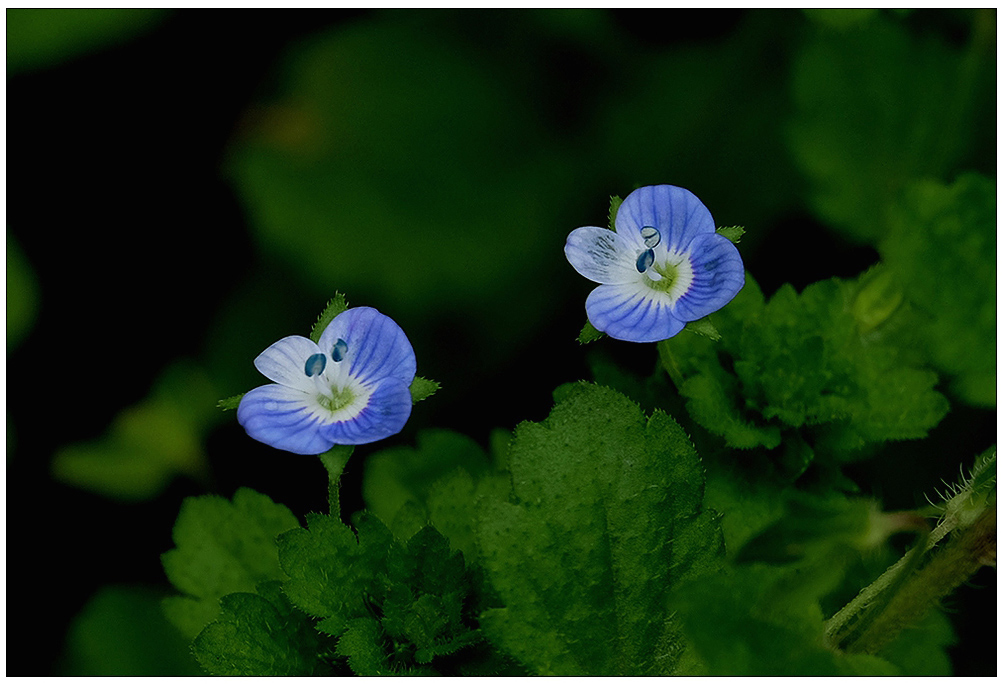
x=645, y=260
x=315, y=365
x=338, y=352
x=651, y=237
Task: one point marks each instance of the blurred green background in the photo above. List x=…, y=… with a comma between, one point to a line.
x=185, y=187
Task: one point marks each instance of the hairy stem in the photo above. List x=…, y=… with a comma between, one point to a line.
x=900, y=597
x=957, y=562
x=334, y=462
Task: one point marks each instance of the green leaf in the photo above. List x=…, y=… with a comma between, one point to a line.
x=362, y=644
x=589, y=334
x=607, y=515
x=221, y=548
x=733, y=233
x=800, y=362
x=713, y=401
x=258, y=636
x=39, y=37
x=330, y=570
x=22, y=287
x=149, y=443
x=940, y=251
x=765, y=621
x=921, y=651
x=121, y=632
x=335, y=306
x=877, y=108
x=402, y=475
x=422, y=389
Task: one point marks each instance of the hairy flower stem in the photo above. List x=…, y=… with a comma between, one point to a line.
x=973, y=548
x=334, y=461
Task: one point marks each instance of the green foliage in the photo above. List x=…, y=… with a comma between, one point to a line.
x=398, y=480
x=436, y=482
x=395, y=608
x=799, y=362
x=760, y=620
x=259, y=634
x=22, y=293
x=367, y=166
x=221, y=547
x=921, y=650
x=607, y=515
x=148, y=444
x=38, y=37
x=877, y=108
x=121, y=632
x=937, y=251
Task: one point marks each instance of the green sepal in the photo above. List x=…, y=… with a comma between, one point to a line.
x=704, y=326
x=615, y=204
x=732, y=233
x=589, y=334
x=231, y=403
x=335, y=306
x=421, y=388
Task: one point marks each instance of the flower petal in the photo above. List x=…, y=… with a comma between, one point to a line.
x=601, y=255
x=675, y=212
x=385, y=414
x=376, y=347
x=284, y=361
x=718, y=277
x=284, y=418
x=632, y=312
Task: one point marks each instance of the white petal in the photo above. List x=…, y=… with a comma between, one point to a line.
x=601, y=255
x=284, y=361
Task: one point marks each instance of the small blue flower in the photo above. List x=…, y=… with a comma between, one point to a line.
x=662, y=267
x=352, y=387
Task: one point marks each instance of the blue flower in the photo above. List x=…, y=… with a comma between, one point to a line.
x=352, y=387
x=662, y=267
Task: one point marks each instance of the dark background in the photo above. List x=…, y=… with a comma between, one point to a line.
x=124, y=199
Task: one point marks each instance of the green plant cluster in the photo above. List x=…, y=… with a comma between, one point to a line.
x=595, y=542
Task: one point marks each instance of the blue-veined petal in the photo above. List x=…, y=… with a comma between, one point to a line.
x=283, y=362
x=718, y=277
x=601, y=255
x=632, y=312
x=284, y=418
x=375, y=346
x=385, y=414
x=675, y=212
